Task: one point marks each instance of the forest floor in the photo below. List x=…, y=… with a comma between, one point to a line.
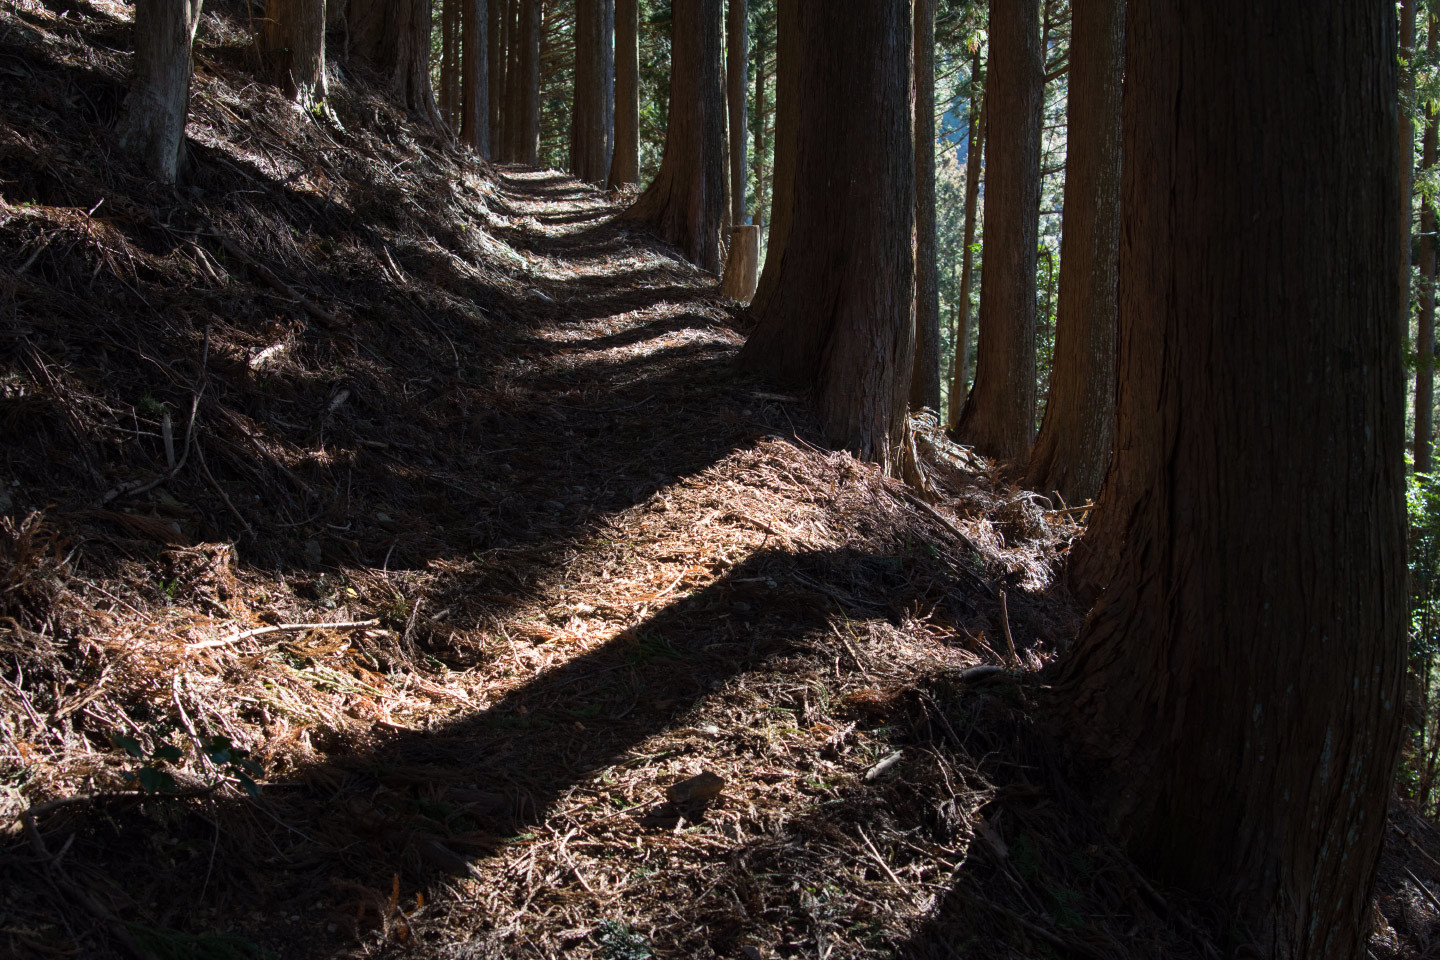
x=559, y=559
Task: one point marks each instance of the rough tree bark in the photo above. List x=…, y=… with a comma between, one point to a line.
x=475, y=55
x=761, y=76
x=525, y=84
x=787, y=105
x=1405, y=222
x=737, y=82
x=974, y=158
x=841, y=320
x=394, y=35
x=925, y=378
x=152, y=121
x=686, y=201
x=293, y=39
x=1073, y=448
x=999, y=415
x=499, y=53
x=449, y=61
x=625, y=159
x=594, y=96
x=1425, y=321
x=1239, y=688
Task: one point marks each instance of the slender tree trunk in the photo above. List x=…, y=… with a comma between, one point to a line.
x=1425, y=322
x=499, y=54
x=625, y=161
x=293, y=39
x=514, y=83
x=1239, y=688
x=999, y=415
x=760, y=113
x=841, y=320
x=475, y=49
x=973, y=161
x=1073, y=449
x=526, y=84
x=448, y=59
x=152, y=122
x=594, y=100
x=925, y=378
x=395, y=36
x=1408, y=106
x=686, y=202
x=788, y=52
x=737, y=51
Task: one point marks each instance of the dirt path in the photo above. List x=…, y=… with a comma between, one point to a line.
x=604, y=563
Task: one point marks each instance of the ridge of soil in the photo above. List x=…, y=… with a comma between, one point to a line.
x=566, y=554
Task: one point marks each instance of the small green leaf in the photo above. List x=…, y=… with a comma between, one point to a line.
x=249, y=786
x=168, y=751
x=155, y=781
x=129, y=744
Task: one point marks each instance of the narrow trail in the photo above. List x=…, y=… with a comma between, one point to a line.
x=599, y=560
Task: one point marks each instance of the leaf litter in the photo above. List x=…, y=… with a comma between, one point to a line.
x=428, y=494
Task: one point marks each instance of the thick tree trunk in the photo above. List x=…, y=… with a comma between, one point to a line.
x=686, y=202
x=625, y=159
x=999, y=415
x=475, y=55
x=959, y=384
x=737, y=82
x=925, y=378
x=499, y=55
x=394, y=35
x=1425, y=321
x=742, y=265
x=1073, y=449
x=788, y=53
x=1239, y=687
x=841, y=320
x=293, y=39
x=525, y=84
x=591, y=129
x=152, y=121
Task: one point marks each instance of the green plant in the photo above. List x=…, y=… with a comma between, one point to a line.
x=619, y=941
x=153, y=776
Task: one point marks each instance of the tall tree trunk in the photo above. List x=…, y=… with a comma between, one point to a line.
x=394, y=35
x=526, y=84
x=925, y=378
x=514, y=82
x=1408, y=106
x=788, y=53
x=841, y=320
x=999, y=415
x=293, y=40
x=1425, y=321
x=760, y=113
x=152, y=122
x=475, y=55
x=448, y=59
x=686, y=202
x=1073, y=448
x=594, y=101
x=1239, y=687
x=499, y=53
x=974, y=158
x=625, y=160
x=737, y=51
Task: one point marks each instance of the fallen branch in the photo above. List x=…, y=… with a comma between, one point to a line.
x=279, y=628
x=326, y=318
